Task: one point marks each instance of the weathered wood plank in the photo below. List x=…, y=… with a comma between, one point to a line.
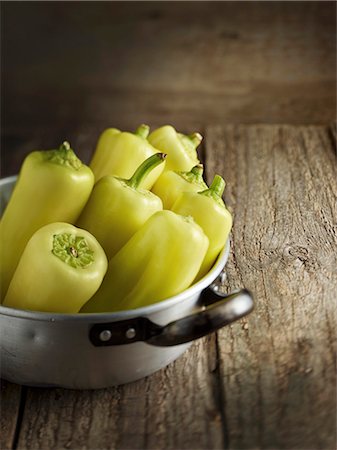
x=175, y=408
x=9, y=413
x=278, y=366
x=116, y=63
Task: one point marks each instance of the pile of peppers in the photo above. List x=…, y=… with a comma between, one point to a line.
x=136, y=226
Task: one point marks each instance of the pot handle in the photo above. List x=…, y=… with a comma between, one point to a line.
x=226, y=309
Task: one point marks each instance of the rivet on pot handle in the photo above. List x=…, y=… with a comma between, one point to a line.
x=227, y=309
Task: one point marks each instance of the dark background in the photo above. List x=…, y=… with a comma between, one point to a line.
x=71, y=69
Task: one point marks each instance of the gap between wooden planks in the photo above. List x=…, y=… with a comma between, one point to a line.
x=267, y=381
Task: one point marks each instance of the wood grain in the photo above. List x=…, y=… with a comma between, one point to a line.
x=70, y=65
x=9, y=414
x=267, y=382
x=278, y=367
x=178, y=407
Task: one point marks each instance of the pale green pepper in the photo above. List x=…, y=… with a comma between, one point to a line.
x=159, y=261
x=59, y=270
x=180, y=148
x=171, y=184
x=53, y=186
x=209, y=211
x=120, y=153
x=117, y=208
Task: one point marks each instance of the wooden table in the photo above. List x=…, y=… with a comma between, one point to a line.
x=72, y=69
x=267, y=381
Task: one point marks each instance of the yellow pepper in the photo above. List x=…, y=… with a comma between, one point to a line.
x=120, y=153
x=117, y=208
x=209, y=211
x=180, y=148
x=52, y=186
x=59, y=270
x=160, y=260
x=171, y=184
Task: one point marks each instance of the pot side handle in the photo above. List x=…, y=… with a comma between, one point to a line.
x=227, y=308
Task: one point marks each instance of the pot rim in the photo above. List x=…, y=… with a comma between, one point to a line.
x=196, y=288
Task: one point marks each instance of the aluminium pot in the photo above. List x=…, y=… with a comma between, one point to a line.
x=90, y=351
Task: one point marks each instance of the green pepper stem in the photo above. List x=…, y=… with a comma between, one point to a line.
x=194, y=176
x=198, y=170
x=65, y=146
x=142, y=131
x=72, y=250
x=143, y=170
x=196, y=138
x=216, y=189
x=64, y=156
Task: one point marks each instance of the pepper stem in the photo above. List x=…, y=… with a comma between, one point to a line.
x=143, y=131
x=198, y=170
x=216, y=189
x=143, y=170
x=196, y=138
x=64, y=155
x=194, y=176
x=65, y=146
x=72, y=250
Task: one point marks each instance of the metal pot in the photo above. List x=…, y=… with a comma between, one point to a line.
x=88, y=351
